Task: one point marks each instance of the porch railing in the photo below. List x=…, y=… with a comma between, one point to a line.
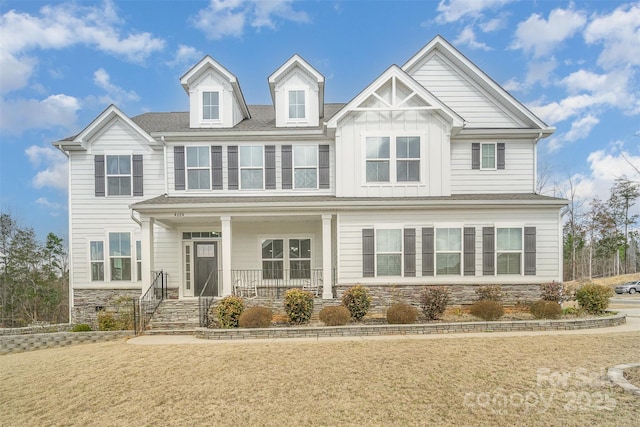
x=273, y=283
x=149, y=302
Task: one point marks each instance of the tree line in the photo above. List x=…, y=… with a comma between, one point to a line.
x=34, y=276
x=602, y=238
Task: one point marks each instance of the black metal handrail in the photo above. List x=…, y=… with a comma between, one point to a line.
x=151, y=299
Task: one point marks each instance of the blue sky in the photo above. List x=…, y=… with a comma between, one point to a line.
x=575, y=64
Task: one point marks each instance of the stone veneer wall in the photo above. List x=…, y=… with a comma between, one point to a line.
x=382, y=296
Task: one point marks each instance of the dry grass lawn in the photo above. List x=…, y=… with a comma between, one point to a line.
x=488, y=381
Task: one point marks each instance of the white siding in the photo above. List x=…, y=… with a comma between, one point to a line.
x=517, y=176
x=94, y=217
x=350, y=154
x=462, y=95
x=350, y=227
x=297, y=79
x=212, y=81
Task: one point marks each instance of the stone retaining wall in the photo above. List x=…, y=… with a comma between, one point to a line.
x=20, y=343
x=37, y=329
x=415, y=329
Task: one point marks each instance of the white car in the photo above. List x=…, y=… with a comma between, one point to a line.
x=630, y=287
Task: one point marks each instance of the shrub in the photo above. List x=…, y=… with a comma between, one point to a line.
x=401, y=313
x=594, y=299
x=357, y=301
x=553, y=291
x=489, y=293
x=487, y=309
x=433, y=301
x=545, y=309
x=81, y=327
x=571, y=311
x=107, y=321
x=255, y=317
x=335, y=316
x=229, y=310
x=298, y=305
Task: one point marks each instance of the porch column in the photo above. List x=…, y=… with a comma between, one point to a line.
x=148, y=263
x=226, y=255
x=327, y=277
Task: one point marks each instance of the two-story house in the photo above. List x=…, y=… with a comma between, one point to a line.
x=426, y=177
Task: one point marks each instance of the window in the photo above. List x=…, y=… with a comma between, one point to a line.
x=377, y=159
x=210, y=106
x=119, y=175
x=272, y=258
x=296, y=104
x=120, y=256
x=97, y=261
x=251, y=168
x=139, y=260
x=388, y=252
x=300, y=258
x=448, y=250
x=408, y=158
x=305, y=163
x=198, y=170
x=508, y=250
x=488, y=156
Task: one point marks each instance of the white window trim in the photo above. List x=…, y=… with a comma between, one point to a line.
x=293, y=167
x=107, y=254
x=495, y=156
x=187, y=168
x=200, y=95
x=107, y=175
x=393, y=174
x=241, y=168
x=297, y=121
x=436, y=252
x=521, y=251
x=375, y=247
x=285, y=248
x=91, y=261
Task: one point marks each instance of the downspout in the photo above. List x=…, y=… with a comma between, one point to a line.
x=535, y=161
x=166, y=175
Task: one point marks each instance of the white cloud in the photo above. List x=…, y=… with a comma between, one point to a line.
x=542, y=36
x=619, y=32
x=494, y=24
x=581, y=128
x=228, y=18
x=468, y=37
x=186, y=55
x=53, y=207
x=65, y=25
x=454, y=10
x=540, y=72
x=56, y=111
x=115, y=94
x=54, y=173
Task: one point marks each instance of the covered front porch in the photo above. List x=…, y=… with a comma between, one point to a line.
x=237, y=252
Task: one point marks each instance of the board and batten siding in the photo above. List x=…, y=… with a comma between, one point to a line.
x=350, y=226
x=114, y=214
x=278, y=191
x=461, y=94
x=351, y=155
x=518, y=176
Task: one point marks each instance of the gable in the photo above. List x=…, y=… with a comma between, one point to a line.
x=116, y=135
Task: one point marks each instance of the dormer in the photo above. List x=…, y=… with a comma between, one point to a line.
x=215, y=98
x=297, y=91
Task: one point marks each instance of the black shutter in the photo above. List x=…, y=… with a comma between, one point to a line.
x=368, y=252
x=98, y=174
x=323, y=166
x=428, y=241
x=409, y=252
x=475, y=155
x=529, y=251
x=488, y=251
x=469, y=251
x=216, y=165
x=138, y=187
x=270, y=167
x=287, y=179
x=232, y=159
x=178, y=167
x=500, y=159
